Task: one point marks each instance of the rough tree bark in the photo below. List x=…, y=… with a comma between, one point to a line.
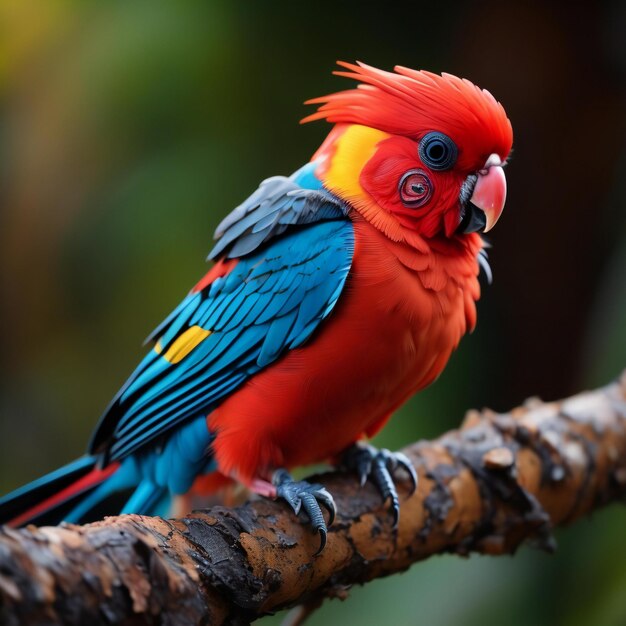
x=499, y=480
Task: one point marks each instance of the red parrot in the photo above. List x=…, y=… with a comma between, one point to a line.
x=336, y=294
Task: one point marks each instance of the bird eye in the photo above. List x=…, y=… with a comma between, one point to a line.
x=437, y=151
x=415, y=189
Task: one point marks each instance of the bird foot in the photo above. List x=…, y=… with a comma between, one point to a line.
x=380, y=467
x=301, y=495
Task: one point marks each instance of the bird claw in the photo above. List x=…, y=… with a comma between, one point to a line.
x=380, y=466
x=301, y=495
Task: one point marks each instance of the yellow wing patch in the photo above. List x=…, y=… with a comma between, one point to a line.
x=183, y=345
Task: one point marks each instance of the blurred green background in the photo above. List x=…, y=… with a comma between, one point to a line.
x=128, y=129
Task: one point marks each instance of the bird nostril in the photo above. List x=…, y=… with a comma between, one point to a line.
x=493, y=159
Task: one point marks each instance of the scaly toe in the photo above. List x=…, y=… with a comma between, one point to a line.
x=301, y=495
x=380, y=466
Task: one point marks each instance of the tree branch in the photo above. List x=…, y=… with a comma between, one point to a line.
x=498, y=481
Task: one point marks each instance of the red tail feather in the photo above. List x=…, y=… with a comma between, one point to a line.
x=93, y=478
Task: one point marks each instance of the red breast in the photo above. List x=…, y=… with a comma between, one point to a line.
x=390, y=335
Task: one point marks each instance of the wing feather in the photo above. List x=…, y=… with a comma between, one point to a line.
x=271, y=301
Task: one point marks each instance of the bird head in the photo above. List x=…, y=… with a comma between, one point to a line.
x=415, y=152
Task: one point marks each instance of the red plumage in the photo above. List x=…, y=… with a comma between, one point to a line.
x=221, y=268
x=390, y=335
x=408, y=298
x=412, y=288
x=90, y=480
x=409, y=103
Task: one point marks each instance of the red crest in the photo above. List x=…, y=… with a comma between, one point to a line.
x=411, y=103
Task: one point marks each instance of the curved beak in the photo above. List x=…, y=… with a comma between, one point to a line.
x=485, y=205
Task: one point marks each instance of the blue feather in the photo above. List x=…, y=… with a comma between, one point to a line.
x=305, y=177
x=275, y=339
x=271, y=301
x=285, y=283
x=147, y=499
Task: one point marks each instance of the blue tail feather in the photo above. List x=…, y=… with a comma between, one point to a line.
x=123, y=479
x=148, y=499
x=81, y=492
x=17, y=502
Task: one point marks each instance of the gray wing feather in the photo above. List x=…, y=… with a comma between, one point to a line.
x=278, y=203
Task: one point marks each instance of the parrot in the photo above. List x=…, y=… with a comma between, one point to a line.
x=336, y=294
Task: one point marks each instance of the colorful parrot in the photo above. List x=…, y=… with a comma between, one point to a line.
x=336, y=294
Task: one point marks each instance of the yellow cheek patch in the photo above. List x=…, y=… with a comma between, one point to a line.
x=183, y=345
x=354, y=148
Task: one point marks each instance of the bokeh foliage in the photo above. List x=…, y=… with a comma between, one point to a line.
x=129, y=129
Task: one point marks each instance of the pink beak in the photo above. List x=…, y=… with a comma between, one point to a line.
x=490, y=191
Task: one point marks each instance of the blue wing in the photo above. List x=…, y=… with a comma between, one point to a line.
x=294, y=248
